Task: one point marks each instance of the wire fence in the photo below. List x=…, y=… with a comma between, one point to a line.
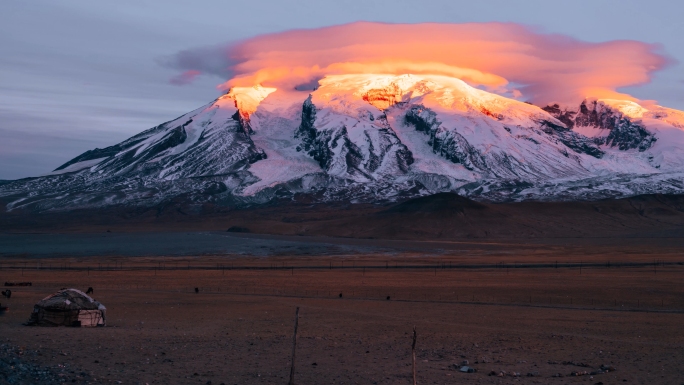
x=165, y=277
x=334, y=266
x=531, y=300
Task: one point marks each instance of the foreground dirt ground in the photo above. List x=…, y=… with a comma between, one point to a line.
x=238, y=328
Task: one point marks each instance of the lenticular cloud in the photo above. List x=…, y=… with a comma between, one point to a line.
x=501, y=57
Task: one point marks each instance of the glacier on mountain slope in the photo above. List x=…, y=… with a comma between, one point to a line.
x=374, y=138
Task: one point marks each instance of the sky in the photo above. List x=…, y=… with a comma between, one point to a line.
x=77, y=74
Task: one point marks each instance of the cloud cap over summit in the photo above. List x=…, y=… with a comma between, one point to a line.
x=507, y=58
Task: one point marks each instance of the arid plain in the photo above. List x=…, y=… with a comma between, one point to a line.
x=517, y=311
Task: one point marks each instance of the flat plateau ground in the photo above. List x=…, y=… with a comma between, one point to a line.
x=509, y=315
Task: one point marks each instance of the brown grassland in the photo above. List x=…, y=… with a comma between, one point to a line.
x=238, y=328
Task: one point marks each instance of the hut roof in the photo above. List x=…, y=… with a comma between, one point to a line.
x=69, y=299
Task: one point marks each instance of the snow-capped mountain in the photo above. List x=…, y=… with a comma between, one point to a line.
x=374, y=138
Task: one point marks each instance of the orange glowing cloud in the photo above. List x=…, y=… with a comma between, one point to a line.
x=502, y=57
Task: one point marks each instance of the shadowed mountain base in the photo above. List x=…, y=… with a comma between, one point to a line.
x=442, y=216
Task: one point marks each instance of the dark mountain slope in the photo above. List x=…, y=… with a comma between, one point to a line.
x=443, y=216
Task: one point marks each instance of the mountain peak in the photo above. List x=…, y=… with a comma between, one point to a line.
x=374, y=138
x=247, y=99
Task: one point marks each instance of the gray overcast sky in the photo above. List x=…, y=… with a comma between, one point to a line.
x=78, y=74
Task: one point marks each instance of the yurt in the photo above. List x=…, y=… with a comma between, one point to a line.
x=68, y=307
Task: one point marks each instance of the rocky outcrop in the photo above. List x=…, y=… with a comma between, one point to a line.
x=624, y=133
x=627, y=135
x=449, y=144
x=335, y=152
x=572, y=140
x=384, y=98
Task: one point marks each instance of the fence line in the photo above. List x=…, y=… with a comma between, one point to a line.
x=342, y=266
x=543, y=301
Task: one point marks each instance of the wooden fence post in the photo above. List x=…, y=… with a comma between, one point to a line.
x=294, y=348
x=413, y=353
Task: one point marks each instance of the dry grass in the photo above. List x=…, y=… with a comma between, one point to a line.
x=238, y=329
